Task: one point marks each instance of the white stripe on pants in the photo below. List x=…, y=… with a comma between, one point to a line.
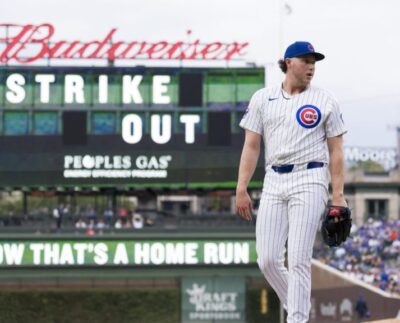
x=290, y=210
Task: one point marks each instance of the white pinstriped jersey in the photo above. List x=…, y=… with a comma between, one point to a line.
x=294, y=128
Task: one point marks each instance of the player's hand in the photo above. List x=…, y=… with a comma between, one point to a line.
x=244, y=205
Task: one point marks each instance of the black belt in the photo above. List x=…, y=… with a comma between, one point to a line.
x=289, y=168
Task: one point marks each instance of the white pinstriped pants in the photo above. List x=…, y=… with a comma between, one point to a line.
x=290, y=210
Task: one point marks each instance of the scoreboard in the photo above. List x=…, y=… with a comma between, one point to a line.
x=124, y=127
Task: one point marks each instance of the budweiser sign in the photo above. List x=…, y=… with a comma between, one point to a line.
x=25, y=44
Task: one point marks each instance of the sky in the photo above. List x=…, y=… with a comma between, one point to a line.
x=358, y=37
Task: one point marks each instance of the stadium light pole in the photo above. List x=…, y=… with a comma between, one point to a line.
x=273, y=74
x=398, y=151
x=284, y=10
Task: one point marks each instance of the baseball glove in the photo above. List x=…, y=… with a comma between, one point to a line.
x=336, y=225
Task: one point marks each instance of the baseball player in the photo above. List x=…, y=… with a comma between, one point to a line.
x=302, y=127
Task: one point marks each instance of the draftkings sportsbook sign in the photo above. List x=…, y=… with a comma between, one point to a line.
x=213, y=299
x=95, y=253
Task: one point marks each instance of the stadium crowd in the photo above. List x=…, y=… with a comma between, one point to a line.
x=84, y=218
x=371, y=254
x=91, y=220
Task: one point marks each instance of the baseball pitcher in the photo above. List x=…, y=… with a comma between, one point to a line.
x=302, y=128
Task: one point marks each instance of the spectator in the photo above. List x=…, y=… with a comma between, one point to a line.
x=393, y=236
x=122, y=212
x=90, y=232
x=58, y=213
x=91, y=213
x=126, y=223
x=137, y=220
x=108, y=216
x=118, y=224
x=92, y=224
x=100, y=224
x=80, y=224
x=361, y=307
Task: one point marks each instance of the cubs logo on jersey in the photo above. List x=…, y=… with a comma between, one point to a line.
x=308, y=116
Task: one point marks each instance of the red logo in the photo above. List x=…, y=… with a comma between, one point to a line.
x=29, y=43
x=334, y=211
x=308, y=116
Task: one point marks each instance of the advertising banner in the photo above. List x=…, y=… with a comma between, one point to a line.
x=95, y=253
x=213, y=299
x=116, y=126
x=107, y=161
x=351, y=304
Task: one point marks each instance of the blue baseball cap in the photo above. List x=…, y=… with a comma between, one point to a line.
x=302, y=48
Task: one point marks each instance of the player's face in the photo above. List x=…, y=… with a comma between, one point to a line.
x=302, y=68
